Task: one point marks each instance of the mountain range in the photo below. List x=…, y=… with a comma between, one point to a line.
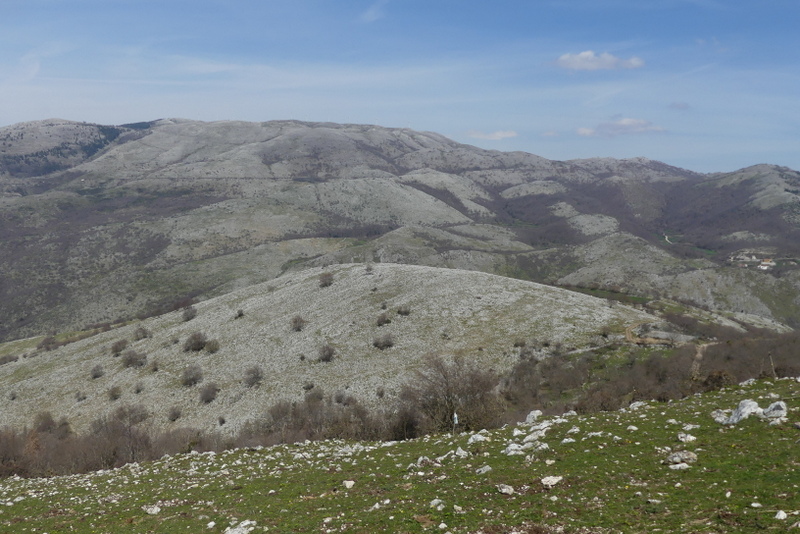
x=102, y=223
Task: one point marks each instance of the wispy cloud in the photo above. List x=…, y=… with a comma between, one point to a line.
x=589, y=60
x=624, y=126
x=374, y=12
x=493, y=136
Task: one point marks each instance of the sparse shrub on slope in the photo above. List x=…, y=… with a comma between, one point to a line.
x=118, y=346
x=383, y=319
x=195, y=342
x=209, y=392
x=297, y=323
x=189, y=313
x=131, y=358
x=253, y=376
x=326, y=279
x=97, y=371
x=383, y=342
x=141, y=333
x=192, y=375
x=212, y=346
x=326, y=353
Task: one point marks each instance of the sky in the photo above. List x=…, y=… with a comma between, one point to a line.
x=707, y=85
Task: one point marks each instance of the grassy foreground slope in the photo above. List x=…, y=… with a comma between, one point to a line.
x=611, y=464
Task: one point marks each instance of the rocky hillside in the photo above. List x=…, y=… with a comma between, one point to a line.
x=99, y=223
x=676, y=467
x=282, y=326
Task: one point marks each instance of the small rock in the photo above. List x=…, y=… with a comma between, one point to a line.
x=349, y=483
x=483, y=470
x=151, y=509
x=781, y=515
x=505, y=489
x=442, y=526
x=679, y=467
x=476, y=438
x=681, y=457
x=775, y=410
x=533, y=416
x=549, y=482
x=436, y=502
x=461, y=453
x=685, y=438
x=632, y=428
x=756, y=505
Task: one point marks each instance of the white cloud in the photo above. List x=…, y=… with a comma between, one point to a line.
x=624, y=126
x=494, y=136
x=589, y=60
x=374, y=12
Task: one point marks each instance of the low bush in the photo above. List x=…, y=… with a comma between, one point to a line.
x=174, y=414
x=209, y=392
x=141, y=333
x=195, y=342
x=404, y=310
x=8, y=359
x=326, y=279
x=189, y=313
x=383, y=319
x=297, y=323
x=118, y=346
x=192, y=375
x=212, y=346
x=131, y=358
x=253, y=376
x=114, y=393
x=383, y=342
x=326, y=353
x=97, y=371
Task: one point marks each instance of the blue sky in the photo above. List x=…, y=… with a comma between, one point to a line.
x=709, y=85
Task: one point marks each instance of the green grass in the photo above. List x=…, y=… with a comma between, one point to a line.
x=614, y=481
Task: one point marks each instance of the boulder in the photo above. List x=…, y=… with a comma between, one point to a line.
x=745, y=409
x=775, y=410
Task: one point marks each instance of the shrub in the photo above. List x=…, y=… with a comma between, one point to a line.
x=253, y=376
x=80, y=396
x=195, y=342
x=141, y=333
x=441, y=388
x=131, y=358
x=154, y=366
x=383, y=342
x=383, y=319
x=48, y=343
x=174, y=414
x=189, y=313
x=8, y=359
x=193, y=374
x=114, y=393
x=209, y=392
x=325, y=279
x=308, y=386
x=97, y=371
x=380, y=392
x=212, y=346
x=404, y=310
x=138, y=388
x=239, y=314
x=118, y=346
x=326, y=353
x=297, y=323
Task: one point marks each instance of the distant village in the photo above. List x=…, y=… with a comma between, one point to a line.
x=761, y=260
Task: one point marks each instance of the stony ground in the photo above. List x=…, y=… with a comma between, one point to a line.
x=609, y=472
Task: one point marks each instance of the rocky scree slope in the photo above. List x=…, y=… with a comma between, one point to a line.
x=429, y=310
